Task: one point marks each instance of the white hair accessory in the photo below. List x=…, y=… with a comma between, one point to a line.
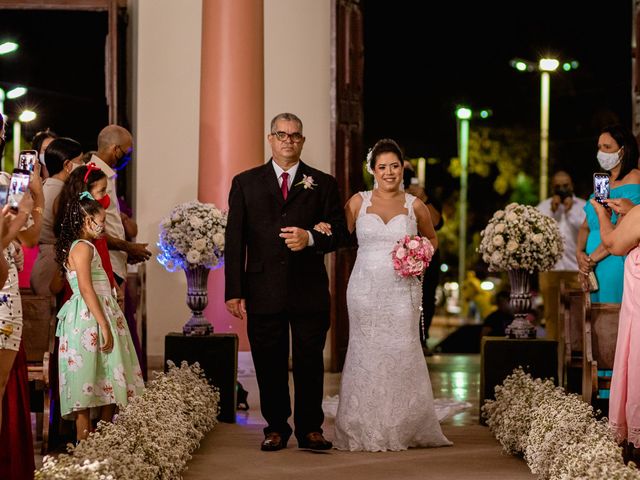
x=369, y=157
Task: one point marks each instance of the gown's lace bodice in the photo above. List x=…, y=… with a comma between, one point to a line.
x=375, y=235
x=386, y=402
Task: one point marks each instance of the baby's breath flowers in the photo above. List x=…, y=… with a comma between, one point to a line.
x=557, y=433
x=152, y=437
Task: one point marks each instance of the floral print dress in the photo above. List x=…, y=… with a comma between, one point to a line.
x=10, y=304
x=88, y=377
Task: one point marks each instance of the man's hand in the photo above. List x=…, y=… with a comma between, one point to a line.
x=568, y=203
x=237, y=308
x=295, y=238
x=555, y=203
x=137, y=252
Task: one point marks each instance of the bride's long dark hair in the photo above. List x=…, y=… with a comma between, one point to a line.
x=384, y=145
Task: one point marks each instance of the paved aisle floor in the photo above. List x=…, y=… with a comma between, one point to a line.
x=231, y=451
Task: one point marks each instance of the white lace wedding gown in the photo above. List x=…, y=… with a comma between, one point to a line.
x=386, y=401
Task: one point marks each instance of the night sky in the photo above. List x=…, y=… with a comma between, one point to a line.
x=421, y=61
x=61, y=62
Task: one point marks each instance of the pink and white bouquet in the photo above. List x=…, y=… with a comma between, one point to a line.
x=412, y=255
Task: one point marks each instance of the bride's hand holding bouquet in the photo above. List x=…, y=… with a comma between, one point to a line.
x=411, y=255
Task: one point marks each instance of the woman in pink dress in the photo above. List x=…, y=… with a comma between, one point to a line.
x=624, y=403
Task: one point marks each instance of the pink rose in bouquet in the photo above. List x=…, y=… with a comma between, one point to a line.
x=412, y=255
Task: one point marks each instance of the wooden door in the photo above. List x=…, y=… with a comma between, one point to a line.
x=347, y=83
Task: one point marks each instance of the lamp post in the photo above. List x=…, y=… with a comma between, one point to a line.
x=545, y=66
x=464, y=115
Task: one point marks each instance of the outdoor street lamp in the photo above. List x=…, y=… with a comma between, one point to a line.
x=27, y=116
x=464, y=114
x=545, y=66
x=8, y=47
x=12, y=94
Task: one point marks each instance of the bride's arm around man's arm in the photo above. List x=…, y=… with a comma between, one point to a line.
x=336, y=235
x=425, y=225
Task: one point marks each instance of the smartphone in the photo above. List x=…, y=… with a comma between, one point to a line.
x=601, y=189
x=18, y=186
x=27, y=160
x=4, y=193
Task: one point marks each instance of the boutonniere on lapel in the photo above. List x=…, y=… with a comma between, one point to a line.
x=307, y=182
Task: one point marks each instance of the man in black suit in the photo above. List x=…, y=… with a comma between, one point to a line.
x=275, y=278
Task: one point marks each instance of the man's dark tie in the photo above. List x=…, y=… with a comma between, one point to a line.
x=285, y=185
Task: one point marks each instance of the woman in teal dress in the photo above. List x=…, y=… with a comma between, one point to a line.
x=617, y=154
x=98, y=366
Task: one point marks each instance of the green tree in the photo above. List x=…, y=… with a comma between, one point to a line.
x=502, y=169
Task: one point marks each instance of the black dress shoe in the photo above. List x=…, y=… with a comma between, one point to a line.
x=314, y=441
x=273, y=441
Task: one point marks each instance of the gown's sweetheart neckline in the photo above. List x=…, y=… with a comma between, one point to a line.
x=390, y=220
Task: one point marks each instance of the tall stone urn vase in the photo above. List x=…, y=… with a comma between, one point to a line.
x=197, y=300
x=520, y=327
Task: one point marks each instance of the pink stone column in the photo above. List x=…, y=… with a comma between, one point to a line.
x=231, y=118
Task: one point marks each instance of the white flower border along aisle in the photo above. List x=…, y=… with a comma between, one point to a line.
x=151, y=438
x=557, y=433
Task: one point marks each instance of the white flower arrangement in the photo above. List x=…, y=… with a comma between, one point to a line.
x=151, y=438
x=192, y=235
x=557, y=433
x=520, y=237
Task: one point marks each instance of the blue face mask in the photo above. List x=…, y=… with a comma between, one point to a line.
x=124, y=161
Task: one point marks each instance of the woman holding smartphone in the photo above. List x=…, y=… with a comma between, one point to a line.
x=16, y=458
x=618, y=155
x=624, y=414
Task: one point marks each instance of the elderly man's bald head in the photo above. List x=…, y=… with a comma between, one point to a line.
x=113, y=135
x=113, y=144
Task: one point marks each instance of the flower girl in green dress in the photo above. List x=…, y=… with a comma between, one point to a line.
x=97, y=361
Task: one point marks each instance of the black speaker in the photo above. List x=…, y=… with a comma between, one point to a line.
x=500, y=356
x=217, y=355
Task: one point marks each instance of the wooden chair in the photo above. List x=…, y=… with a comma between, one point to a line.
x=38, y=337
x=572, y=309
x=600, y=336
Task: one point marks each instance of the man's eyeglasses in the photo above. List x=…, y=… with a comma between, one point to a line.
x=126, y=153
x=295, y=137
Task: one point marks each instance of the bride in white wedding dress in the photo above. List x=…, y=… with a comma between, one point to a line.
x=386, y=401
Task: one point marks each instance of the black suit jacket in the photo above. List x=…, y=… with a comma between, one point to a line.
x=258, y=265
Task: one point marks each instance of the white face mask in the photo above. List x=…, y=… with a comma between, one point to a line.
x=41, y=158
x=608, y=161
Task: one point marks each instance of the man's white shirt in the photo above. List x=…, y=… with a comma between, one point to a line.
x=292, y=173
x=569, y=223
x=113, y=223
